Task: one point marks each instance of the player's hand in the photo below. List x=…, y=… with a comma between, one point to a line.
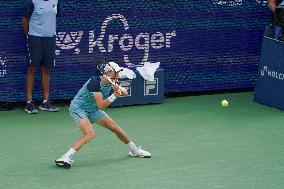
x=116, y=89
x=116, y=78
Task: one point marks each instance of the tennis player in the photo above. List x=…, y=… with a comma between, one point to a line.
x=87, y=108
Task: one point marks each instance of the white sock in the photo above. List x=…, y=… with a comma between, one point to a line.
x=70, y=153
x=131, y=146
x=44, y=101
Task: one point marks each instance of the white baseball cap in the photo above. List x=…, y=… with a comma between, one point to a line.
x=112, y=66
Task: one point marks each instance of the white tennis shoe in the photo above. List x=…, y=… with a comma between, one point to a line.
x=64, y=161
x=138, y=152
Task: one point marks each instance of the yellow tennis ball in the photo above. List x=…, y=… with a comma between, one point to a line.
x=225, y=103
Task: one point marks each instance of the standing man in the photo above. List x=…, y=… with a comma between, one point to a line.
x=39, y=24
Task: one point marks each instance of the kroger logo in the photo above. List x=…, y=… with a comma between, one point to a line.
x=143, y=41
x=151, y=87
x=3, y=65
x=271, y=73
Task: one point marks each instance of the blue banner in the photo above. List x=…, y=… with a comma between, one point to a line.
x=202, y=45
x=270, y=84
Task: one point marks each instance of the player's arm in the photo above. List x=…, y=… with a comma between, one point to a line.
x=103, y=103
x=272, y=5
x=121, y=90
x=28, y=11
x=25, y=24
x=94, y=88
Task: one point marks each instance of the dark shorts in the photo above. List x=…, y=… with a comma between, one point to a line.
x=41, y=51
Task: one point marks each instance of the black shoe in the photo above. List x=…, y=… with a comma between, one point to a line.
x=47, y=106
x=30, y=108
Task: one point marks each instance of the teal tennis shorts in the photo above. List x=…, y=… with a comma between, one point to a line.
x=79, y=113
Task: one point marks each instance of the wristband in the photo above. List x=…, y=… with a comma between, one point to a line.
x=111, y=98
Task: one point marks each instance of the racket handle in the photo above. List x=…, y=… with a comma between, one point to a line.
x=120, y=88
x=111, y=81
